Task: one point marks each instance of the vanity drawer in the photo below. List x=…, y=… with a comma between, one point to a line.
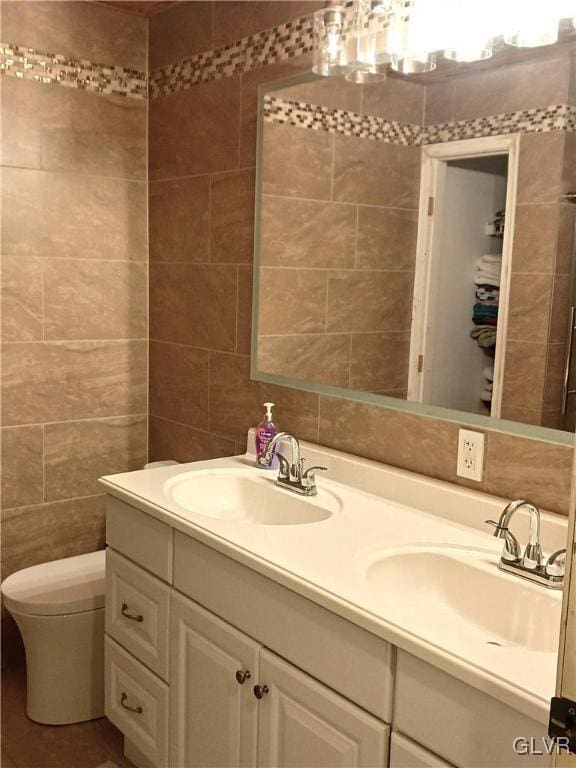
x=348, y=659
x=140, y=537
x=137, y=703
x=457, y=722
x=405, y=753
x=137, y=612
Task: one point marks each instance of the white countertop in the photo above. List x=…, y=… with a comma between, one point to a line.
x=380, y=508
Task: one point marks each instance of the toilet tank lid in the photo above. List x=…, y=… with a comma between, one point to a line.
x=72, y=585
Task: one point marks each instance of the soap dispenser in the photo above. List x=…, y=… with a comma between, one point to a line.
x=265, y=431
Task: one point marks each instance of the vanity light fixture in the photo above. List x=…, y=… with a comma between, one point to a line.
x=362, y=37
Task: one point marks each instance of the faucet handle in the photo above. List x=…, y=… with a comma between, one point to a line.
x=556, y=563
x=309, y=477
x=512, y=551
x=311, y=471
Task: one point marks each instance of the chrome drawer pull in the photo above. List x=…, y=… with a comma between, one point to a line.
x=132, y=616
x=137, y=710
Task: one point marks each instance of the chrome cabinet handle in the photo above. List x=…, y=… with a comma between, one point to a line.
x=137, y=710
x=242, y=676
x=132, y=616
x=260, y=690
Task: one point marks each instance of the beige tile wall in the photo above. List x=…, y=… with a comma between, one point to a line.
x=201, y=241
x=74, y=285
x=227, y=112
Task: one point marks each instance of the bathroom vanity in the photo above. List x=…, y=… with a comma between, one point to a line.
x=366, y=626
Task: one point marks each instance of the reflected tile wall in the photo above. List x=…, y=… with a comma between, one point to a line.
x=338, y=247
x=429, y=445
x=74, y=284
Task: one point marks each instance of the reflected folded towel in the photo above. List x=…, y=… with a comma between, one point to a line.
x=486, y=396
x=488, y=293
x=488, y=372
x=489, y=264
x=486, y=310
x=484, y=335
x=486, y=278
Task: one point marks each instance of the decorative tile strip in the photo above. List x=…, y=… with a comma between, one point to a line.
x=30, y=64
x=346, y=123
x=560, y=117
x=286, y=41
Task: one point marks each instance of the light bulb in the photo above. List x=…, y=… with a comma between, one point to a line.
x=329, y=51
x=532, y=24
x=471, y=27
x=416, y=31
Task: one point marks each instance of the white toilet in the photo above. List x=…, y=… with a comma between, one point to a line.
x=59, y=609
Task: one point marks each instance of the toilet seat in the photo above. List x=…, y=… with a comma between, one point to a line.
x=58, y=588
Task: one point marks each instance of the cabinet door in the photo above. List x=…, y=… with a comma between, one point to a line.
x=213, y=717
x=304, y=724
x=405, y=753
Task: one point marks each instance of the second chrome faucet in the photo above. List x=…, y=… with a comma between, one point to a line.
x=529, y=564
x=291, y=474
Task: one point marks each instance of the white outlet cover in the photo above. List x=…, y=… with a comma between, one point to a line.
x=470, y=454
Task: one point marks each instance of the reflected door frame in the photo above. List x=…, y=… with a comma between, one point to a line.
x=435, y=158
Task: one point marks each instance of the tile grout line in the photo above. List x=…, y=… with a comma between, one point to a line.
x=64, y=500
x=88, y=419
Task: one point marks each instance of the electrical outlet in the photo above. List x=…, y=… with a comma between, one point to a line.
x=470, y=454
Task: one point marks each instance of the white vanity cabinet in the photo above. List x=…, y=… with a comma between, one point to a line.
x=234, y=705
x=193, y=636
x=180, y=681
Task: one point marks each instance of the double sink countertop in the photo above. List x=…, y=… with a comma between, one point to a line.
x=407, y=558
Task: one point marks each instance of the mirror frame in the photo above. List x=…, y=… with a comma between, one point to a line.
x=464, y=418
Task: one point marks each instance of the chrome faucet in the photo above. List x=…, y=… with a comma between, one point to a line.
x=291, y=474
x=530, y=563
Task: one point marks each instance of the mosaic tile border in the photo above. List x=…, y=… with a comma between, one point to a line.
x=51, y=68
x=344, y=122
x=558, y=117
x=286, y=41
x=561, y=117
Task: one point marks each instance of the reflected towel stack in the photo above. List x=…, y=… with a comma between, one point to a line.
x=485, y=312
x=488, y=269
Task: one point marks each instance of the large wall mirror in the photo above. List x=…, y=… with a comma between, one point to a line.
x=415, y=239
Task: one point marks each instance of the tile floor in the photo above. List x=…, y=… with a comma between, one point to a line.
x=96, y=744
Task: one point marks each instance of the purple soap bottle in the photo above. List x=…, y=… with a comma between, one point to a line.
x=265, y=431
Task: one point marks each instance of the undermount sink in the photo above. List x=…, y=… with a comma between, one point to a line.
x=248, y=496
x=447, y=586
